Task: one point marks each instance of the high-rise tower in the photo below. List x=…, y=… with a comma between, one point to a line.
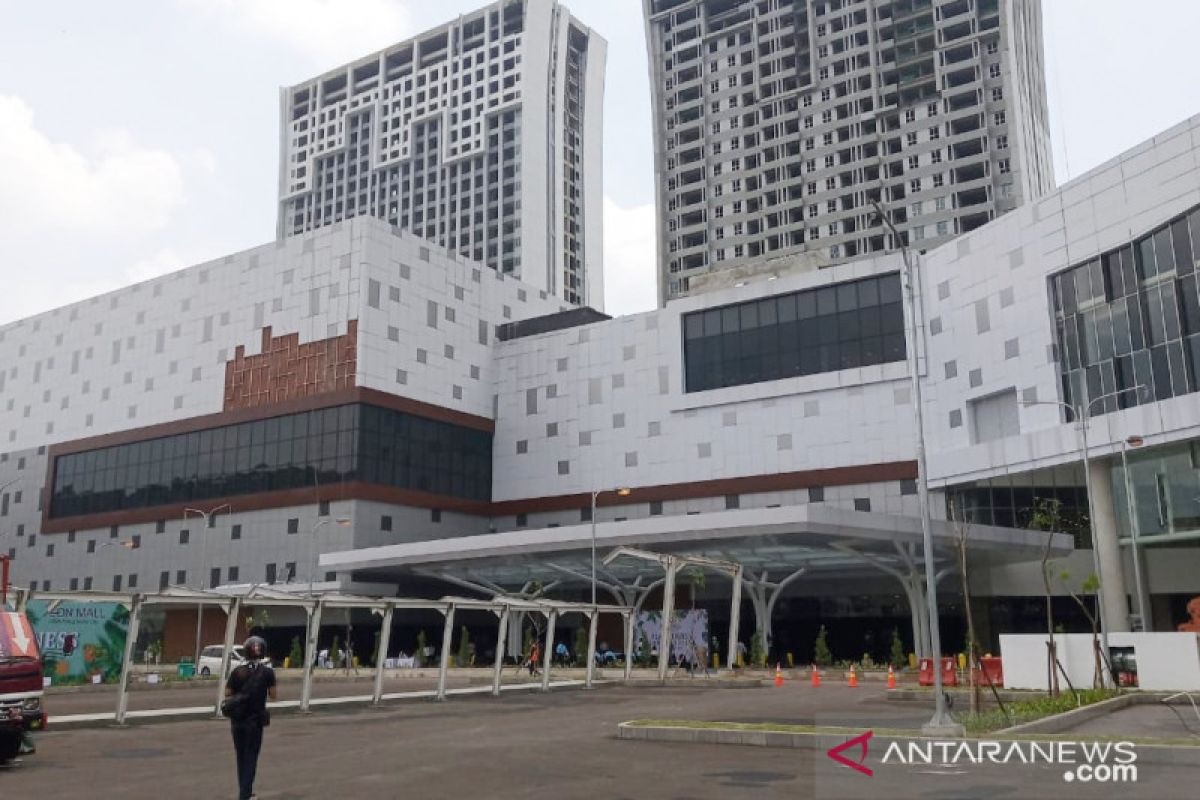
x=482, y=135
x=778, y=122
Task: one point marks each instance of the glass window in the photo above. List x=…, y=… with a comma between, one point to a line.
x=801, y=333
x=1139, y=334
x=283, y=452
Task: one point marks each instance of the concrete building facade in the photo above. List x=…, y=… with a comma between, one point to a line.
x=778, y=123
x=482, y=135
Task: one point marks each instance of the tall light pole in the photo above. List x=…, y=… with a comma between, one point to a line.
x=941, y=723
x=208, y=517
x=622, y=491
x=312, y=547
x=1082, y=413
x=1131, y=506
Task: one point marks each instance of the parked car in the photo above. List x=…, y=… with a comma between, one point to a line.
x=210, y=658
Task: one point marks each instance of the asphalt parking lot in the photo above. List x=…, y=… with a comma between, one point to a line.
x=524, y=745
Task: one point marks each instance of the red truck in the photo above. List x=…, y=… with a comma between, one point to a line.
x=21, y=708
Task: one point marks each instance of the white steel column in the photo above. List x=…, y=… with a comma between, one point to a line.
x=630, y=620
x=444, y=661
x=501, y=634
x=135, y=615
x=548, y=655
x=310, y=653
x=593, y=618
x=668, y=611
x=385, y=640
x=231, y=618
x=735, y=617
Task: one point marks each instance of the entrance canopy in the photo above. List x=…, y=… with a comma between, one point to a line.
x=820, y=539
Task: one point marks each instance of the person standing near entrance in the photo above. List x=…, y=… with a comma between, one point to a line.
x=246, y=693
x=535, y=655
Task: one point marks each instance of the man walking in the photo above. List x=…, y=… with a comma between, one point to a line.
x=246, y=694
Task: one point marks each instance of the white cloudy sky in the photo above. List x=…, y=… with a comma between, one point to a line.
x=139, y=136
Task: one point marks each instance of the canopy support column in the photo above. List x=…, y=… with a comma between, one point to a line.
x=735, y=616
x=668, y=611
x=501, y=635
x=135, y=618
x=310, y=653
x=593, y=619
x=231, y=618
x=444, y=661
x=385, y=640
x=630, y=620
x=548, y=652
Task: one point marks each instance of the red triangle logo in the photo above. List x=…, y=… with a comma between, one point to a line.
x=861, y=741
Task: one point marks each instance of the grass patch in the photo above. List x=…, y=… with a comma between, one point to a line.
x=1023, y=711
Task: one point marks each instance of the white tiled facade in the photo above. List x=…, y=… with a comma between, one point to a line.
x=587, y=407
x=777, y=122
x=482, y=136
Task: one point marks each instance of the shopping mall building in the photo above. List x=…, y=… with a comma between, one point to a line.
x=357, y=406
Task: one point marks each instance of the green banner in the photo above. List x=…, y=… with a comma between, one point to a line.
x=80, y=640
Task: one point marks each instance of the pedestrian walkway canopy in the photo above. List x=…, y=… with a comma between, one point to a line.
x=825, y=540
x=764, y=549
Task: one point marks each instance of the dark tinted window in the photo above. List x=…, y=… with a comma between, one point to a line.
x=1138, y=340
x=853, y=324
x=355, y=442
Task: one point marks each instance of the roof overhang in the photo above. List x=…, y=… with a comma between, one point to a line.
x=817, y=537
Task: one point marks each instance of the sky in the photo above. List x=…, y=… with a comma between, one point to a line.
x=141, y=136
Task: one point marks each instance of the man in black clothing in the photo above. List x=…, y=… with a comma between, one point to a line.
x=253, y=682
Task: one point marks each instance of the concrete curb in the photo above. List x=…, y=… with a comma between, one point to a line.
x=149, y=716
x=1165, y=755
x=926, y=695
x=1057, y=723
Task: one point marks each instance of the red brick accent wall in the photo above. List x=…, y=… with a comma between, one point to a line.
x=287, y=369
x=179, y=631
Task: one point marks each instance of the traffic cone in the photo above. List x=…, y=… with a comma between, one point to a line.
x=891, y=677
x=778, y=675
x=816, y=676
x=853, y=682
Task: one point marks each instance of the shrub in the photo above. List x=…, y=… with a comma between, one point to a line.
x=464, y=648
x=296, y=654
x=898, y=659
x=758, y=652
x=335, y=653
x=821, y=655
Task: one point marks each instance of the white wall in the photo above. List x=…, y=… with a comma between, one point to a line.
x=1165, y=661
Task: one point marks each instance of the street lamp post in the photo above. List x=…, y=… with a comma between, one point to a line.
x=1130, y=503
x=208, y=516
x=621, y=492
x=312, y=547
x=941, y=723
x=1082, y=412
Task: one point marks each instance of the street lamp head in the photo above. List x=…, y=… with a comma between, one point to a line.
x=1134, y=441
x=624, y=491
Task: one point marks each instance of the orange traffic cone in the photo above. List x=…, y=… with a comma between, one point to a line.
x=778, y=675
x=891, y=677
x=853, y=682
x=816, y=676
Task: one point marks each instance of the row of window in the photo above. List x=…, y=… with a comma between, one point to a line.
x=1128, y=322
x=852, y=324
x=352, y=442
x=271, y=574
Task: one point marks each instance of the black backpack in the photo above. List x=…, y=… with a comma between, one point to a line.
x=238, y=706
